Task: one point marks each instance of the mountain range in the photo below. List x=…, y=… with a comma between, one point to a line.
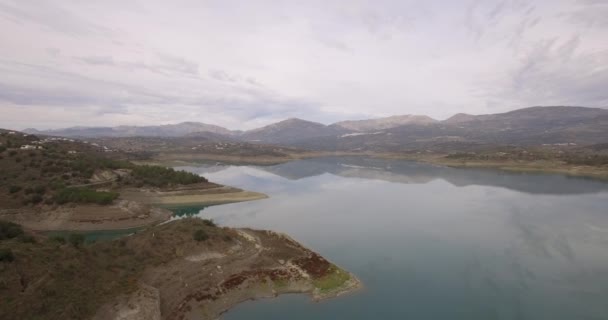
x=528, y=126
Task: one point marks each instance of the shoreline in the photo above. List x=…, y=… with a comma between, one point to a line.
x=135, y=209
x=254, y=265
x=355, y=286
x=538, y=166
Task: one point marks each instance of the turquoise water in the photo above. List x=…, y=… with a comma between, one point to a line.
x=431, y=242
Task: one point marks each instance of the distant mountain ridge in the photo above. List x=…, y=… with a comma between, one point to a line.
x=170, y=130
x=290, y=131
x=384, y=123
x=528, y=126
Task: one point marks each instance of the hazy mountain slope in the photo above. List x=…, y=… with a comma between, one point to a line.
x=384, y=123
x=171, y=130
x=530, y=126
x=291, y=131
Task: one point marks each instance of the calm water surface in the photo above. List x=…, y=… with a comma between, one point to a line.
x=430, y=242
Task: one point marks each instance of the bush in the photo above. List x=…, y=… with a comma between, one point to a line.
x=9, y=230
x=40, y=189
x=209, y=223
x=2, y=149
x=58, y=239
x=14, y=189
x=6, y=255
x=26, y=238
x=200, y=235
x=84, y=195
x=12, y=153
x=160, y=176
x=76, y=239
x=36, y=199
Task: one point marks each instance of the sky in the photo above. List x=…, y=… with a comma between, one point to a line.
x=244, y=64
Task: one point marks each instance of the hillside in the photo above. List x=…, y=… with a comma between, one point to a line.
x=40, y=172
x=384, y=123
x=188, y=268
x=64, y=184
x=291, y=131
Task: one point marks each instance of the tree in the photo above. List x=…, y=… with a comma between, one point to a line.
x=6, y=255
x=14, y=189
x=200, y=235
x=9, y=230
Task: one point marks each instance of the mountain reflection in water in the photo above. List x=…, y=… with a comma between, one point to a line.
x=431, y=242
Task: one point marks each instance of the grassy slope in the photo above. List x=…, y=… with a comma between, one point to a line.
x=47, y=176
x=51, y=280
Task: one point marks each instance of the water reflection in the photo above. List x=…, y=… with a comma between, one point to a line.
x=432, y=242
x=410, y=172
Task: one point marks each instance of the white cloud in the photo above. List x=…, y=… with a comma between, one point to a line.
x=244, y=64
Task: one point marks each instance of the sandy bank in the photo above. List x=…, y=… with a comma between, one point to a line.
x=136, y=208
x=181, y=197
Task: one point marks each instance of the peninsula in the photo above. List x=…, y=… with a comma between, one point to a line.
x=183, y=269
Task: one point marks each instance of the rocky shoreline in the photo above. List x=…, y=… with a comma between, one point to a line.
x=258, y=265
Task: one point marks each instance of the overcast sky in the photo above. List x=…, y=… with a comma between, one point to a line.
x=242, y=64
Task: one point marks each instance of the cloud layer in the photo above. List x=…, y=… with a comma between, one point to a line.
x=245, y=64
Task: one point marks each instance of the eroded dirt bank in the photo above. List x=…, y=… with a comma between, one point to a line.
x=205, y=281
x=185, y=269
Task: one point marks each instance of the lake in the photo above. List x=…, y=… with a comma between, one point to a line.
x=430, y=242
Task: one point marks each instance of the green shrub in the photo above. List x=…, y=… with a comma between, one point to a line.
x=40, y=189
x=161, y=176
x=200, y=235
x=56, y=185
x=26, y=238
x=14, y=189
x=6, y=255
x=2, y=149
x=84, y=195
x=9, y=230
x=58, y=239
x=209, y=223
x=35, y=199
